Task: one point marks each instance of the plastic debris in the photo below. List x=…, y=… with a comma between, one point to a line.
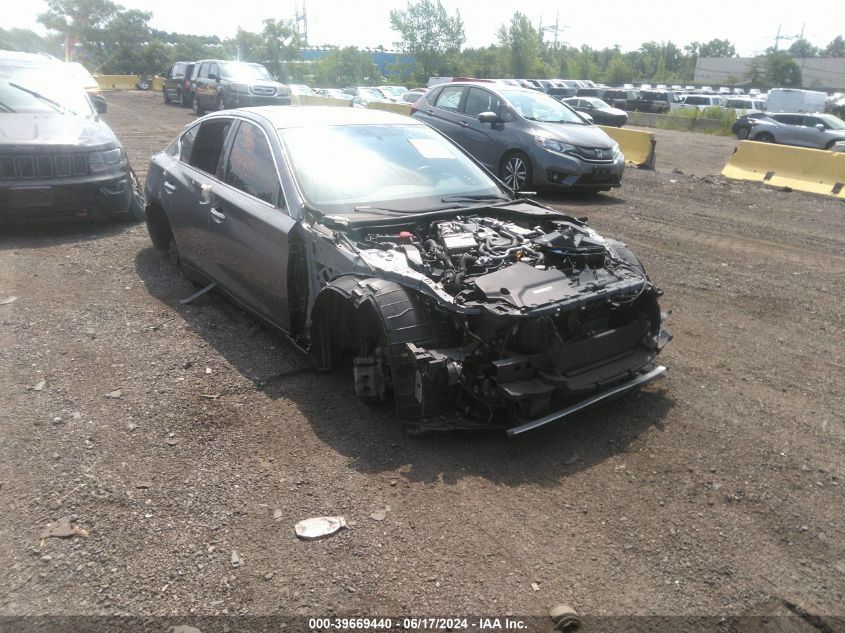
x=237, y=561
x=379, y=515
x=8, y=300
x=117, y=393
x=63, y=529
x=319, y=527
x=564, y=617
x=535, y=586
x=39, y=386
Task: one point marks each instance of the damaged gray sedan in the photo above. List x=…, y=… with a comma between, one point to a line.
x=372, y=241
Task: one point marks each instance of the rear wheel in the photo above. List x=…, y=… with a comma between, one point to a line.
x=830, y=145
x=166, y=96
x=516, y=170
x=742, y=133
x=195, y=105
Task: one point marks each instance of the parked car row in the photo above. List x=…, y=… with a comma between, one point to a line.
x=819, y=131
x=216, y=84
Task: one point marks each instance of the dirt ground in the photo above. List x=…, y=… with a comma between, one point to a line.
x=179, y=439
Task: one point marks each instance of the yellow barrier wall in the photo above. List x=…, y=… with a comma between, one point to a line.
x=637, y=146
x=398, y=108
x=812, y=170
x=306, y=100
x=125, y=82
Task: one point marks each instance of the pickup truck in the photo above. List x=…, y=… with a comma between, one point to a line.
x=655, y=101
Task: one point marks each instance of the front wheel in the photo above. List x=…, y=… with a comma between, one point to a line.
x=516, y=170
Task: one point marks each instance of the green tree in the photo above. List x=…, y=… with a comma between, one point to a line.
x=836, y=48
x=346, y=67
x=429, y=33
x=781, y=70
x=717, y=48
x=280, y=44
x=78, y=21
x=521, y=45
x=802, y=48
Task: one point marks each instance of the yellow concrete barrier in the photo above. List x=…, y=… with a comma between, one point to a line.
x=637, y=146
x=312, y=100
x=398, y=108
x=812, y=170
x=125, y=82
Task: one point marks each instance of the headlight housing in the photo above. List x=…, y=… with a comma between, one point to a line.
x=552, y=145
x=614, y=149
x=104, y=160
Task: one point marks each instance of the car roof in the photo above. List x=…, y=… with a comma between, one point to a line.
x=324, y=116
x=494, y=87
x=14, y=59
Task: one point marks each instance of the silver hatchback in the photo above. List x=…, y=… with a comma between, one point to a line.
x=527, y=138
x=820, y=131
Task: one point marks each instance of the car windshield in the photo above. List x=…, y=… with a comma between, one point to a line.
x=536, y=106
x=834, y=123
x=371, y=92
x=241, y=70
x=383, y=168
x=598, y=103
x=37, y=90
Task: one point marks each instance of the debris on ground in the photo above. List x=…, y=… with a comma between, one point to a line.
x=319, y=527
x=64, y=529
x=535, y=586
x=39, y=386
x=144, y=484
x=379, y=515
x=8, y=300
x=183, y=628
x=117, y=393
x=564, y=617
x=277, y=515
x=237, y=561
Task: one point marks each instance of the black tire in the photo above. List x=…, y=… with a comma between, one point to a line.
x=742, y=133
x=515, y=170
x=166, y=96
x=764, y=137
x=183, y=100
x=195, y=105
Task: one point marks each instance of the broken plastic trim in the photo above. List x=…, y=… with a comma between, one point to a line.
x=198, y=294
x=557, y=415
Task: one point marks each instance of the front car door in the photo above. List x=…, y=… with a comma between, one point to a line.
x=189, y=188
x=250, y=225
x=482, y=140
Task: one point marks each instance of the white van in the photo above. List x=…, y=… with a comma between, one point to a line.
x=795, y=100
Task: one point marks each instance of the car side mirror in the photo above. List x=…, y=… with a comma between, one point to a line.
x=99, y=103
x=820, y=127
x=489, y=117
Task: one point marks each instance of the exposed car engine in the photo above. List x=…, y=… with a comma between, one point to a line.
x=521, y=315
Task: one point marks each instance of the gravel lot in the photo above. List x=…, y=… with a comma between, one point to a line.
x=181, y=438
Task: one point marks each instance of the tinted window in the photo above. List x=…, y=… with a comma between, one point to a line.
x=479, y=100
x=208, y=145
x=213, y=70
x=178, y=70
x=250, y=167
x=203, y=70
x=450, y=98
x=187, y=144
x=788, y=119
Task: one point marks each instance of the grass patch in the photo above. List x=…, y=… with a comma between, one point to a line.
x=713, y=120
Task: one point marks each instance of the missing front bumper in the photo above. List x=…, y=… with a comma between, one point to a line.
x=583, y=404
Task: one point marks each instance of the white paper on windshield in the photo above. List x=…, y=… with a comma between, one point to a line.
x=431, y=148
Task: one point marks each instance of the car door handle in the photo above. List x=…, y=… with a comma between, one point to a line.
x=463, y=124
x=217, y=215
x=169, y=187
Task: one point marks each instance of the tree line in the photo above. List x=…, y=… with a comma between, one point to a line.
x=110, y=39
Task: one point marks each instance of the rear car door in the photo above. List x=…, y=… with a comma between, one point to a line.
x=444, y=112
x=483, y=140
x=189, y=187
x=250, y=225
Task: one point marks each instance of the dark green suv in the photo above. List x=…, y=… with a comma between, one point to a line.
x=218, y=84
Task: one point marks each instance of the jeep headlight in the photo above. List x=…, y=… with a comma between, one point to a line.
x=104, y=160
x=552, y=145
